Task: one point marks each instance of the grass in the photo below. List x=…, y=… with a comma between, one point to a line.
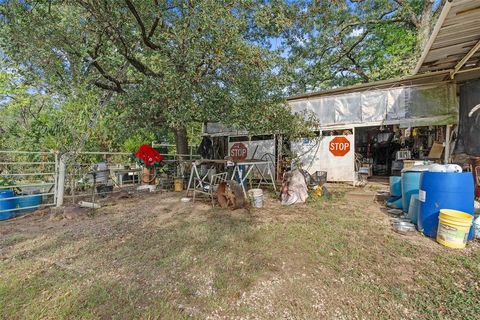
x=331, y=258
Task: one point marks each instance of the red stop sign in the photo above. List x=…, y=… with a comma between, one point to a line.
x=339, y=146
x=238, y=151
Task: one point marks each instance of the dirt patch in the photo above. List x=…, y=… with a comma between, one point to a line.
x=329, y=258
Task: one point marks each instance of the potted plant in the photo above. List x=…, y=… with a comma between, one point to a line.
x=148, y=158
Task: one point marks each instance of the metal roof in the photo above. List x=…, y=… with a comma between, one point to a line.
x=419, y=79
x=455, y=41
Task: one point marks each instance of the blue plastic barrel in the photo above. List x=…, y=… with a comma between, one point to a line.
x=394, y=202
x=6, y=204
x=29, y=200
x=395, y=186
x=410, y=186
x=443, y=190
x=413, y=209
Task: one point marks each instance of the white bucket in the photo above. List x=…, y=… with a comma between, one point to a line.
x=256, y=197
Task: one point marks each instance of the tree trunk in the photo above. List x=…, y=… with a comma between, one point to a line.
x=425, y=25
x=181, y=140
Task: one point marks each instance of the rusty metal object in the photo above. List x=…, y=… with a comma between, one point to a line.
x=230, y=195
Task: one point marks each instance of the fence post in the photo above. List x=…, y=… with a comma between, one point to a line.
x=61, y=180
x=55, y=180
x=446, y=158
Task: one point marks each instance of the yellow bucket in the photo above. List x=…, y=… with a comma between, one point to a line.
x=453, y=228
x=178, y=185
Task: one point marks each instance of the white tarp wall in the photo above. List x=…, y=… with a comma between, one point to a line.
x=316, y=155
x=265, y=150
x=407, y=106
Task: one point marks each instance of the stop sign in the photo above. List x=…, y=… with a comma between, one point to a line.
x=238, y=151
x=339, y=146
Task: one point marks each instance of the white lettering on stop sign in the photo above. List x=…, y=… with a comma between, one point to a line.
x=238, y=151
x=339, y=146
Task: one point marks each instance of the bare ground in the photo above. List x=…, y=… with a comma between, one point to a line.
x=153, y=257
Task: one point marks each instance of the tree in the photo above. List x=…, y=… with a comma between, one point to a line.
x=33, y=119
x=150, y=65
x=168, y=63
x=337, y=43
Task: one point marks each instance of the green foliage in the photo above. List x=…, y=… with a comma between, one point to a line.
x=83, y=74
x=140, y=137
x=339, y=43
x=169, y=65
x=32, y=121
x=6, y=182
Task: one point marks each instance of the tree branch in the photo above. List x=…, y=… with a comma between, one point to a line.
x=380, y=20
x=356, y=43
x=145, y=37
x=412, y=14
x=104, y=74
x=118, y=40
x=358, y=69
x=155, y=22
x=374, y=22
x=108, y=87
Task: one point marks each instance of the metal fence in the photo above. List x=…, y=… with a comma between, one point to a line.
x=28, y=180
x=90, y=176
x=93, y=175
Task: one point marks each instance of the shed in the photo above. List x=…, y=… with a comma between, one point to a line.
x=381, y=126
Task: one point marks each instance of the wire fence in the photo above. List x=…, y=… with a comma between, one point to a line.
x=28, y=181
x=32, y=180
x=90, y=176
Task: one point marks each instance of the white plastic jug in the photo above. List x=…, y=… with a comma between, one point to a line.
x=476, y=226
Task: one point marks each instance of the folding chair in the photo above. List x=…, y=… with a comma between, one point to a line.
x=208, y=188
x=216, y=180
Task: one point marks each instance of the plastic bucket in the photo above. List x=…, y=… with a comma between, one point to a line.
x=453, y=228
x=396, y=186
x=256, y=197
x=410, y=186
x=178, y=185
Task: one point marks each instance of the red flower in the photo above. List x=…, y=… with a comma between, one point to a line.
x=148, y=155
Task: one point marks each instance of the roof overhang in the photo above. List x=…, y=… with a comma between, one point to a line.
x=454, y=45
x=418, y=79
